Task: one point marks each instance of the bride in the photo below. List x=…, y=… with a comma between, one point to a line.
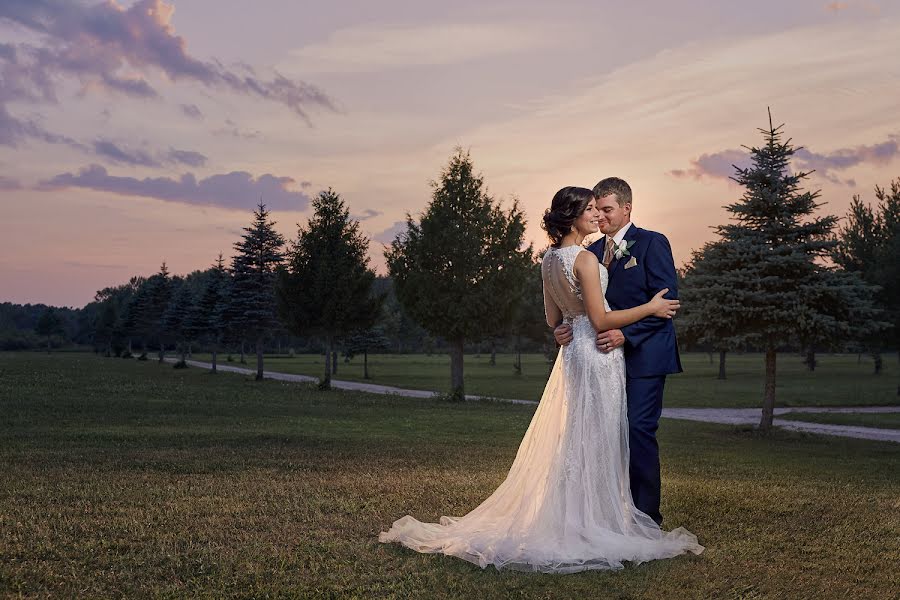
x=565, y=505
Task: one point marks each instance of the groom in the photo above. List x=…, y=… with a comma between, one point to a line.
x=640, y=264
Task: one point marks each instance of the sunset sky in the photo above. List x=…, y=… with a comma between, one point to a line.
x=137, y=132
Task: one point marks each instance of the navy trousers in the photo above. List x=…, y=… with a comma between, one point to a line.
x=644, y=409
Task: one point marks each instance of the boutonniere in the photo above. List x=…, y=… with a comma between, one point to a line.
x=622, y=248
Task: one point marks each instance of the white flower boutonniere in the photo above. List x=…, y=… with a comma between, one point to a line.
x=622, y=248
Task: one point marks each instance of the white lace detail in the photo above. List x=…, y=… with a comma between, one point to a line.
x=565, y=505
x=567, y=255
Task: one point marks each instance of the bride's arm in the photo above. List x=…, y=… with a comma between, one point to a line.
x=551, y=310
x=587, y=270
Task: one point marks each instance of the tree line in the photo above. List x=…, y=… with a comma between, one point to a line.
x=779, y=277
x=460, y=274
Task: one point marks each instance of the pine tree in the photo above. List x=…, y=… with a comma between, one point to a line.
x=327, y=288
x=49, y=324
x=131, y=324
x=459, y=269
x=708, y=302
x=362, y=342
x=151, y=304
x=869, y=244
x=781, y=291
x=175, y=319
x=529, y=321
x=104, y=329
x=207, y=319
x=254, y=268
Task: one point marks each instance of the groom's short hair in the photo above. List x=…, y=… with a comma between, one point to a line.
x=614, y=185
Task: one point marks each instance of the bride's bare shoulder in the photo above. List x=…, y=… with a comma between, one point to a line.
x=586, y=258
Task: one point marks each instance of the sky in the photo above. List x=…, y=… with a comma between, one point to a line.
x=133, y=133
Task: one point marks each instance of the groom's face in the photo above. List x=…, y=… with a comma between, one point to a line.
x=613, y=217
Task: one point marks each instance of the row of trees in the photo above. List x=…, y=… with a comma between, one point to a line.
x=462, y=273
x=777, y=277
x=780, y=276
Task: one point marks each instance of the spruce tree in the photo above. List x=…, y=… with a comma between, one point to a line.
x=206, y=322
x=529, y=321
x=782, y=291
x=459, y=269
x=152, y=303
x=869, y=244
x=708, y=302
x=104, y=329
x=49, y=324
x=326, y=289
x=362, y=342
x=252, y=299
x=175, y=319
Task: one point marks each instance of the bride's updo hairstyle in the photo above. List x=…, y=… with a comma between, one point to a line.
x=566, y=206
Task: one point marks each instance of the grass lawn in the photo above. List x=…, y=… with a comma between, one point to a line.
x=840, y=380
x=883, y=421
x=132, y=479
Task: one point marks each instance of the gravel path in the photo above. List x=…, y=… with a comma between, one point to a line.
x=728, y=416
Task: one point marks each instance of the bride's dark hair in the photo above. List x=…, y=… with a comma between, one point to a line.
x=566, y=206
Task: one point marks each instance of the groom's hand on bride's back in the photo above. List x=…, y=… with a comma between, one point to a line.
x=563, y=334
x=607, y=341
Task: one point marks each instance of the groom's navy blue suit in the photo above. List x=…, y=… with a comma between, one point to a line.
x=651, y=353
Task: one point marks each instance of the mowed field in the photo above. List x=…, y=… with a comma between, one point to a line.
x=839, y=380
x=132, y=479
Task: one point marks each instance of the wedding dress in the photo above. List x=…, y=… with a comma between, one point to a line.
x=565, y=505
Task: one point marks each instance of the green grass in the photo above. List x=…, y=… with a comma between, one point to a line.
x=840, y=380
x=129, y=479
x=884, y=421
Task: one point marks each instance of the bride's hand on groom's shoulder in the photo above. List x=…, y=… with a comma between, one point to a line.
x=563, y=334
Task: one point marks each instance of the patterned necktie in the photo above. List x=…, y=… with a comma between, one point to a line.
x=608, y=253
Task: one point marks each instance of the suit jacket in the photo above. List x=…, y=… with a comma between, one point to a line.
x=650, y=345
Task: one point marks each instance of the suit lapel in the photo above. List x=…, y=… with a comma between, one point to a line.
x=616, y=265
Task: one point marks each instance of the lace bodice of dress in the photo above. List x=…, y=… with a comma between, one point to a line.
x=558, y=273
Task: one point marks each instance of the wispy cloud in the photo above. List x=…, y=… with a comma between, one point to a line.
x=9, y=183
x=366, y=214
x=845, y=158
x=717, y=165
x=722, y=164
x=390, y=234
x=235, y=190
x=231, y=129
x=868, y=6
x=380, y=47
x=119, y=154
x=109, y=47
x=191, y=111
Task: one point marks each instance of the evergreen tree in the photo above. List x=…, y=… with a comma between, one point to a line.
x=362, y=342
x=123, y=329
x=49, y=324
x=207, y=319
x=869, y=244
x=254, y=268
x=782, y=292
x=151, y=304
x=404, y=333
x=708, y=301
x=327, y=288
x=175, y=326
x=529, y=321
x=459, y=269
x=104, y=330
